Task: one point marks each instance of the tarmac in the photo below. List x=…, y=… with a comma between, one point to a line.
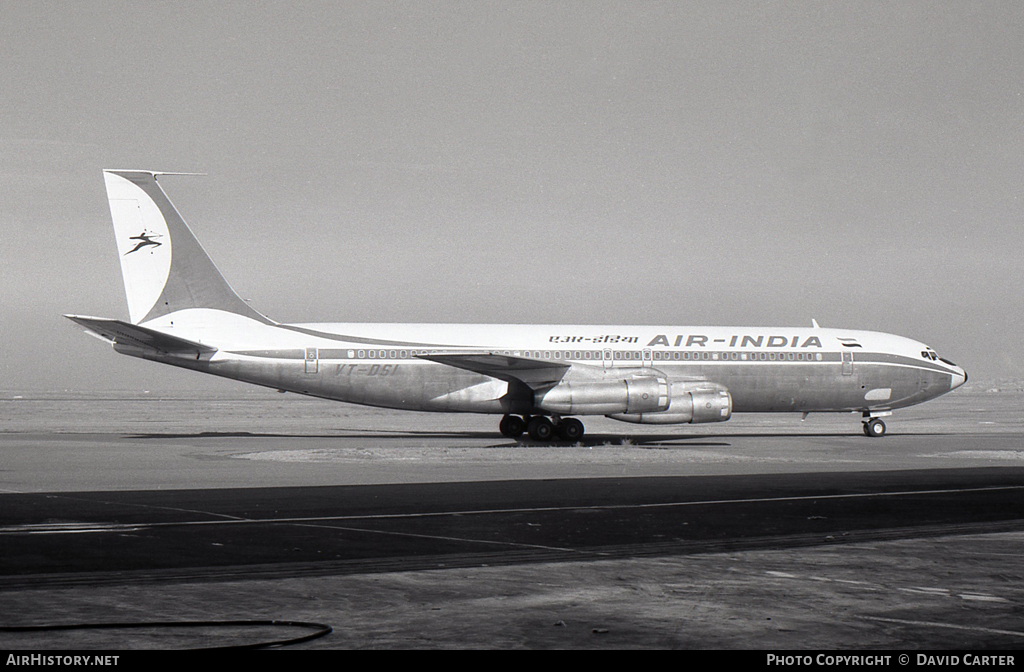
x=409, y=530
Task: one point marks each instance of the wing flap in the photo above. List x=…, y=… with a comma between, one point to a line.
x=132, y=335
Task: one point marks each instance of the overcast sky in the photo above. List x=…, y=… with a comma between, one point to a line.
x=727, y=163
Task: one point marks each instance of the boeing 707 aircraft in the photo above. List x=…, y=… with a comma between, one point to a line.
x=537, y=377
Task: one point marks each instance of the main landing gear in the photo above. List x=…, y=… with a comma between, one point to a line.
x=541, y=428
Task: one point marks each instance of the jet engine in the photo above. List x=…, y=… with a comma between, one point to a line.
x=636, y=395
x=687, y=404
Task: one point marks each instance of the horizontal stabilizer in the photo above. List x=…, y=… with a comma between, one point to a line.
x=504, y=367
x=132, y=335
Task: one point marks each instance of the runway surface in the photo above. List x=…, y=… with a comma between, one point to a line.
x=203, y=517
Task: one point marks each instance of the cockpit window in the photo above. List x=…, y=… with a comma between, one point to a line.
x=933, y=356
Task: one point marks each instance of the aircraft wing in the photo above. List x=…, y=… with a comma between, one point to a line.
x=124, y=333
x=532, y=372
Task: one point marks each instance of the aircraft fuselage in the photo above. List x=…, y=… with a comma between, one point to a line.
x=765, y=370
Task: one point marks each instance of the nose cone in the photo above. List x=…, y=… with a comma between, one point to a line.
x=959, y=377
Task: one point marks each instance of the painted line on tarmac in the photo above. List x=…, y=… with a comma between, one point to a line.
x=175, y=509
x=972, y=597
x=917, y=590
x=70, y=528
x=233, y=520
x=950, y=626
x=441, y=538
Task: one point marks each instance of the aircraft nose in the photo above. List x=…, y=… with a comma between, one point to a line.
x=959, y=378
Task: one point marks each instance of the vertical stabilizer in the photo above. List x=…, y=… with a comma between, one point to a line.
x=164, y=267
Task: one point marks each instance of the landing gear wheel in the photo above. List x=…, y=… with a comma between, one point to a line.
x=512, y=426
x=570, y=429
x=540, y=428
x=874, y=428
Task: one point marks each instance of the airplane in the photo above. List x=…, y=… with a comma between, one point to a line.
x=182, y=312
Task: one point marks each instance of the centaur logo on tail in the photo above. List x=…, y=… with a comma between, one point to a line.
x=182, y=312
x=144, y=240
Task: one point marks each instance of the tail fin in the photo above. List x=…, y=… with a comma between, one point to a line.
x=164, y=267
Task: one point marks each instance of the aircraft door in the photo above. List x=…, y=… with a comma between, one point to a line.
x=312, y=360
x=648, y=356
x=847, y=363
x=606, y=358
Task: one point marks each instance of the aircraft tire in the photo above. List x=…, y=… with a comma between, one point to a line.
x=570, y=429
x=540, y=428
x=512, y=426
x=874, y=428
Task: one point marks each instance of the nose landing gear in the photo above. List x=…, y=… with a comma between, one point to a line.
x=874, y=427
x=541, y=428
